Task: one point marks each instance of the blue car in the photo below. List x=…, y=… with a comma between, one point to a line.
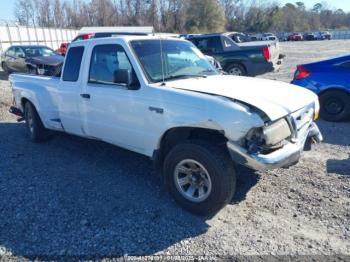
x=330, y=80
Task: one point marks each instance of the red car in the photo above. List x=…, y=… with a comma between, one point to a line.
x=83, y=37
x=64, y=46
x=62, y=50
x=295, y=37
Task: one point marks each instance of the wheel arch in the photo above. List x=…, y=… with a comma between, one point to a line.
x=25, y=100
x=238, y=62
x=334, y=88
x=176, y=135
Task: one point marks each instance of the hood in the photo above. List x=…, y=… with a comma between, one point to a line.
x=276, y=99
x=46, y=60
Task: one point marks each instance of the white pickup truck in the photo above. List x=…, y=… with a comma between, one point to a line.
x=161, y=97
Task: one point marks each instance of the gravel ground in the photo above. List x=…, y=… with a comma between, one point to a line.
x=87, y=199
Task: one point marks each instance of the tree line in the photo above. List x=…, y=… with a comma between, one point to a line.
x=182, y=16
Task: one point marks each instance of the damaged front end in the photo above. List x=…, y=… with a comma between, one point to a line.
x=279, y=143
x=49, y=70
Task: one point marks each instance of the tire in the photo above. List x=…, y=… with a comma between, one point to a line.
x=5, y=68
x=335, y=106
x=36, y=130
x=214, y=162
x=236, y=69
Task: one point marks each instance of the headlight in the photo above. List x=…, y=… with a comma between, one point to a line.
x=276, y=132
x=268, y=137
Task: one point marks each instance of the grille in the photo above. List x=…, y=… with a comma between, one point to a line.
x=303, y=117
x=300, y=121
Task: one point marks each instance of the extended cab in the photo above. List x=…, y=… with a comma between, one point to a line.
x=161, y=97
x=238, y=57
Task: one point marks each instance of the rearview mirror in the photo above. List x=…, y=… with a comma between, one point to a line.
x=125, y=77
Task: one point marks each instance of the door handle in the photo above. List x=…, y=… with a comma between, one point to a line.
x=86, y=96
x=156, y=109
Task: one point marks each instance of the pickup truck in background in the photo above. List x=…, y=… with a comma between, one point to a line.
x=160, y=97
x=243, y=59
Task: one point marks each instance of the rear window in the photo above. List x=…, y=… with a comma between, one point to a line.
x=72, y=64
x=211, y=44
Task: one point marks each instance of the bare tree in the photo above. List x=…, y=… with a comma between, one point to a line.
x=24, y=12
x=182, y=15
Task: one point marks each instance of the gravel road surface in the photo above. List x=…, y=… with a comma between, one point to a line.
x=80, y=198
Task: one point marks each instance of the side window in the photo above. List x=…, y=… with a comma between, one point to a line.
x=202, y=44
x=107, y=63
x=72, y=64
x=19, y=52
x=11, y=52
x=212, y=44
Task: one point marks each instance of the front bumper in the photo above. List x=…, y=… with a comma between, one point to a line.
x=287, y=156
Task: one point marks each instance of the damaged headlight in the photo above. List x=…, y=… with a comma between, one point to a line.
x=269, y=137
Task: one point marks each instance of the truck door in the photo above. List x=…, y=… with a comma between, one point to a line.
x=110, y=110
x=69, y=91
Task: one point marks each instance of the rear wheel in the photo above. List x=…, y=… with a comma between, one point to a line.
x=37, y=131
x=236, y=69
x=335, y=106
x=200, y=176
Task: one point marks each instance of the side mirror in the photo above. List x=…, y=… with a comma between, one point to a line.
x=126, y=77
x=21, y=56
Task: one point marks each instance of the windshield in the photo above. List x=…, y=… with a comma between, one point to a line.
x=39, y=51
x=180, y=60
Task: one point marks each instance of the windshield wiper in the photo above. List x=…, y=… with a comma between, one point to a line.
x=173, y=77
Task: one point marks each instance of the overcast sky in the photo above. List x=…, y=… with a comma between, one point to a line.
x=7, y=6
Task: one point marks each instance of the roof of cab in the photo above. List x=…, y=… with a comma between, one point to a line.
x=126, y=38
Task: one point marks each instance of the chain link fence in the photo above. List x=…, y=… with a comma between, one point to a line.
x=336, y=34
x=12, y=34
x=340, y=34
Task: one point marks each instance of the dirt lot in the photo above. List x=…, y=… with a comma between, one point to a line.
x=87, y=199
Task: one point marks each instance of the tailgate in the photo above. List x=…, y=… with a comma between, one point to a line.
x=274, y=48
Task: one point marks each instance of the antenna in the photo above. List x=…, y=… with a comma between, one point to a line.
x=162, y=60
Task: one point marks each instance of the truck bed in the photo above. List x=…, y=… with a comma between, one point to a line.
x=272, y=45
x=255, y=43
x=42, y=90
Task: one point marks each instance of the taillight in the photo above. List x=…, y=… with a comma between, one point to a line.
x=301, y=73
x=266, y=53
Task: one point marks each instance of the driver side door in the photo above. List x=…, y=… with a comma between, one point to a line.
x=111, y=111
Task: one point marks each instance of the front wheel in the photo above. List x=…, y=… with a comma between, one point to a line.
x=335, y=106
x=200, y=176
x=5, y=68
